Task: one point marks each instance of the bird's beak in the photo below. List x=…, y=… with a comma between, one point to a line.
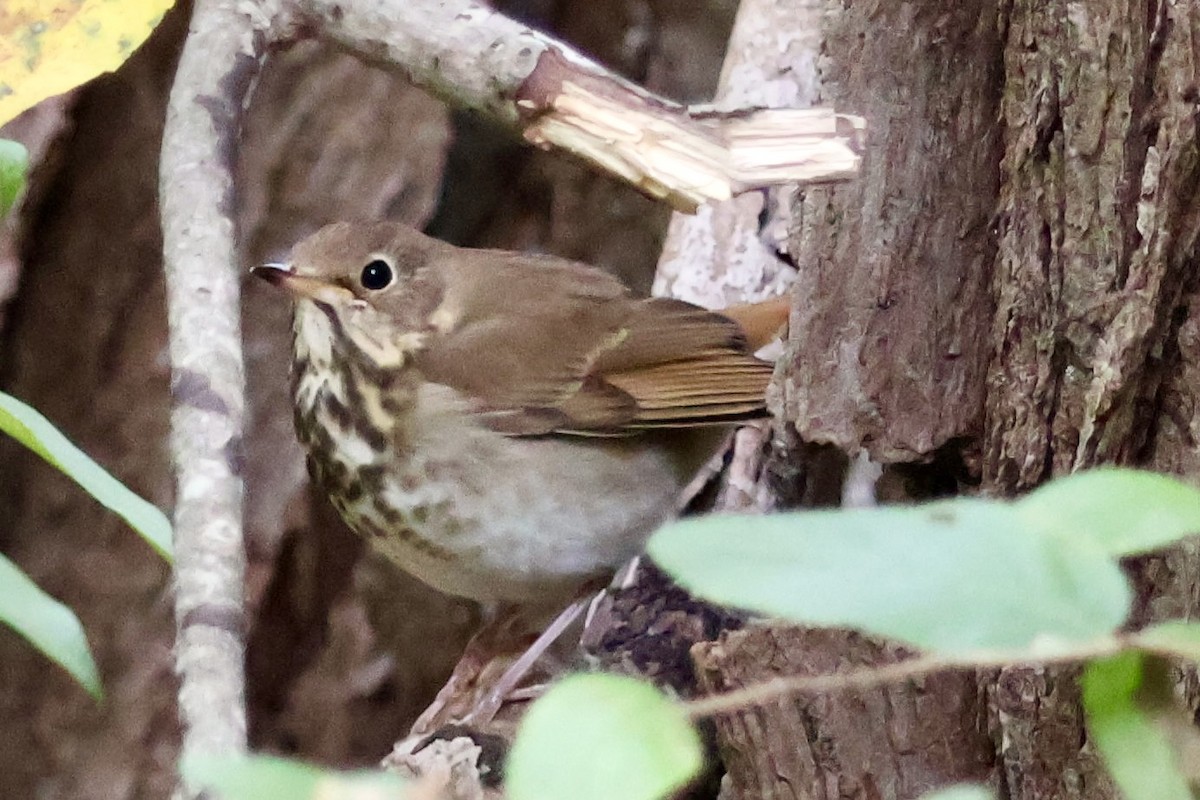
x=302, y=286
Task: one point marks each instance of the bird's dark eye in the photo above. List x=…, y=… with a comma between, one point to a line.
x=376, y=275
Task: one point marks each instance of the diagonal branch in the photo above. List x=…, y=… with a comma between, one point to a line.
x=478, y=59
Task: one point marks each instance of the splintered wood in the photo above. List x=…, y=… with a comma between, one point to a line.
x=671, y=153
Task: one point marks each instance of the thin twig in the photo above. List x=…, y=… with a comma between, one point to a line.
x=220, y=58
x=872, y=677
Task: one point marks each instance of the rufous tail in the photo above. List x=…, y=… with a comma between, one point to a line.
x=762, y=322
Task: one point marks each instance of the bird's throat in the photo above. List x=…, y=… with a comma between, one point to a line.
x=352, y=395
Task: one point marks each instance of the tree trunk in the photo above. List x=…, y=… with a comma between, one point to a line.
x=1005, y=296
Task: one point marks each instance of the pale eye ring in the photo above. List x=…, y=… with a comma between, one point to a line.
x=376, y=275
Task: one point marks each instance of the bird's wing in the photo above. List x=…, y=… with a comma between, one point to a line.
x=544, y=345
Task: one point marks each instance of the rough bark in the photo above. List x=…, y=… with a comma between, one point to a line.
x=887, y=349
x=887, y=353
x=1005, y=303
x=817, y=746
x=1098, y=223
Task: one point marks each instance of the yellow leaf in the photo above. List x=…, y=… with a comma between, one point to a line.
x=50, y=46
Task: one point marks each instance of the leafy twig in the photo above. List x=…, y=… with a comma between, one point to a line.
x=871, y=677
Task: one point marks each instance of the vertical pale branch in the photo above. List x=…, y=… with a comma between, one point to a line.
x=220, y=59
x=717, y=258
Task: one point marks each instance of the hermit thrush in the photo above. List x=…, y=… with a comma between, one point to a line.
x=505, y=426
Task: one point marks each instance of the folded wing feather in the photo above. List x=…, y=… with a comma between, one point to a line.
x=588, y=360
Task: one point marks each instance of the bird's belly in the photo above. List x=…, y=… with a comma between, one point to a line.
x=532, y=520
x=490, y=517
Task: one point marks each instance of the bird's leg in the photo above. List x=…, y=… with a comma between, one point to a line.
x=490, y=703
x=495, y=638
x=505, y=638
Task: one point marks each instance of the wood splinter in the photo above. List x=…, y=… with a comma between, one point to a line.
x=683, y=156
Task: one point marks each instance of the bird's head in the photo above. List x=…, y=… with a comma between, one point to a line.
x=370, y=285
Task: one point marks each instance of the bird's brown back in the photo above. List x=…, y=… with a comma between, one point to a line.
x=545, y=345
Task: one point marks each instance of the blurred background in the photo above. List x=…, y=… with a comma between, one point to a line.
x=344, y=651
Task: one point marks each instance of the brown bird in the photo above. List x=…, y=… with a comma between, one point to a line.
x=505, y=427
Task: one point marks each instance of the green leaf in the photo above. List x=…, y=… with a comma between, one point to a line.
x=957, y=577
x=963, y=791
x=235, y=777
x=1174, y=638
x=1137, y=754
x=1123, y=511
x=34, y=431
x=602, y=737
x=14, y=166
x=48, y=625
